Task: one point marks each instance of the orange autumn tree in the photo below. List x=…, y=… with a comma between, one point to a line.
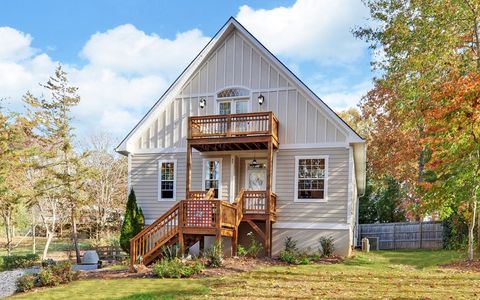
x=453, y=135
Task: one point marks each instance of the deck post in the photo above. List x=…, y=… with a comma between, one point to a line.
x=268, y=224
x=234, y=241
x=189, y=170
x=181, y=222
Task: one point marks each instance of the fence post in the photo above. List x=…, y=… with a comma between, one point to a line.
x=421, y=234
x=394, y=236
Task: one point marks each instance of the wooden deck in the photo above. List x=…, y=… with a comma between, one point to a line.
x=248, y=131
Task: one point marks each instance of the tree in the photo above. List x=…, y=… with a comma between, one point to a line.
x=64, y=171
x=424, y=45
x=14, y=149
x=108, y=188
x=453, y=127
x=132, y=222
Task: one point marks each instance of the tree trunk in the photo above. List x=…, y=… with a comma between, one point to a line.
x=75, y=236
x=471, y=228
x=50, y=235
x=8, y=229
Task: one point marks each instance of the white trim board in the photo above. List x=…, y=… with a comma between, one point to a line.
x=324, y=226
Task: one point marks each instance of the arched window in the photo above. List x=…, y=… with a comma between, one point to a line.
x=233, y=101
x=233, y=92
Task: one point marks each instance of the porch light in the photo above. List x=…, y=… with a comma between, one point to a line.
x=203, y=102
x=261, y=99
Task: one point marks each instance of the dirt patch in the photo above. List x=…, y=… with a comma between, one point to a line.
x=114, y=274
x=472, y=266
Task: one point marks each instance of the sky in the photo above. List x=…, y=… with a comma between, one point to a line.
x=124, y=54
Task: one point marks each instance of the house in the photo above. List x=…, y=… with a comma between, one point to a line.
x=239, y=144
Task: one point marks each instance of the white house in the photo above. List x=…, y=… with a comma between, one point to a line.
x=274, y=158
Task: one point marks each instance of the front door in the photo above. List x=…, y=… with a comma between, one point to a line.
x=256, y=175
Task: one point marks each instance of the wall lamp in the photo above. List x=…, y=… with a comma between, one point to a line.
x=261, y=99
x=203, y=102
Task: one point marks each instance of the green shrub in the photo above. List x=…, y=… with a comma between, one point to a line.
x=327, y=246
x=19, y=261
x=241, y=251
x=295, y=257
x=175, y=268
x=132, y=222
x=26, y=282
x=290, y=244
x=46, y=277
x=214, y=255
x=51, y=275
x=255, y=247
x=48, y=262
x=170, y=252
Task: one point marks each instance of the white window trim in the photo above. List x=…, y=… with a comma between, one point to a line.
x=220, y=162
x=325, y=188
x=159, y=189
x=232, y=100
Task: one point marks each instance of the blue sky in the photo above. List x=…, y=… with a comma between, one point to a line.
x=124, y=54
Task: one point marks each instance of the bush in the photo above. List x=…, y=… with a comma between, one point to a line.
x=255, y=247
x=214, y=255
x=327, y=246
x=170, y=252
x=26, y=282
x=51, y=275
x=290, y=244
x=175, y=268
x=48, y=262
x=295, y=257
x=19, y=261
x=132, y=222
x=241, y=251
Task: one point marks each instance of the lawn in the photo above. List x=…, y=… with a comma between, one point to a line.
x=383, y=274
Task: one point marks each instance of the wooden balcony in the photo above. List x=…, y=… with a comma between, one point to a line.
x=248, y=131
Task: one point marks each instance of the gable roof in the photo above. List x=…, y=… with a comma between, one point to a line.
x=232, y=24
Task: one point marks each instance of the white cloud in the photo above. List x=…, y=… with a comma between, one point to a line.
x=126, y=49
x=314, y=30
x=126, y=70
x=346, y=97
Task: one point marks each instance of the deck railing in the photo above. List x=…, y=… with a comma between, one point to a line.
x=233, y=125
x=255, y=202
x=201, y=195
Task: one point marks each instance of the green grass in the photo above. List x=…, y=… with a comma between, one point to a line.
x=375, y=275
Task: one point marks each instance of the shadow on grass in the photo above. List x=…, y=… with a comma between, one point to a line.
x=164, y=294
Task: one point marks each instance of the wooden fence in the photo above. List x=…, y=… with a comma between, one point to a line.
x=426, y=235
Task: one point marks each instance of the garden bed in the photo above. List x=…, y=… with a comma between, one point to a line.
x=465, y=265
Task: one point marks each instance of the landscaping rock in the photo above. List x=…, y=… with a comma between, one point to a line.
x=8, y=280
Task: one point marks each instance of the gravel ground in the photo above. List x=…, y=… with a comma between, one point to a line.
x=8, y=280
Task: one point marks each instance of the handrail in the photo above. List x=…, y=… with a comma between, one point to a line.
x=210, y=195
x=231, y=125
x=239, y=204
x=151, y=238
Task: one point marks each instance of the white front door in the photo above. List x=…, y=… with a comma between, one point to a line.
x=256, y=176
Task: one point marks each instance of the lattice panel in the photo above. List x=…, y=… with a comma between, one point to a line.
x=200, y=214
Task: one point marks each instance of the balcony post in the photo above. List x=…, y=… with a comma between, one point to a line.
x=268, y=223
x=189, y=170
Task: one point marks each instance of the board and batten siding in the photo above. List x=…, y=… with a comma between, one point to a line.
x=144, y=176
x=237, y=63
x=334, y=210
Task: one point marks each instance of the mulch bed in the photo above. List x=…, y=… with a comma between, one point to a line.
x=472, y=266
x=231, y=265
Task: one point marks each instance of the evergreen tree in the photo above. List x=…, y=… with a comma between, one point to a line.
x=132, y=222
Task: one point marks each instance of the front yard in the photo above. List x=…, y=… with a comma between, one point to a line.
x=383, y=274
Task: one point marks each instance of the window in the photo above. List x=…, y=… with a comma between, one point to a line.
x=224, y=108
x=233, y=92
x=233, y=101
x=167, y=182
x=311, y=178
x=212, y=175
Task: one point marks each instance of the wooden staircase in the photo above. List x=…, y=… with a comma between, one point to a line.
x=188, y=221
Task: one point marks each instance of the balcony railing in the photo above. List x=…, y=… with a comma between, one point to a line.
x=233, y=125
